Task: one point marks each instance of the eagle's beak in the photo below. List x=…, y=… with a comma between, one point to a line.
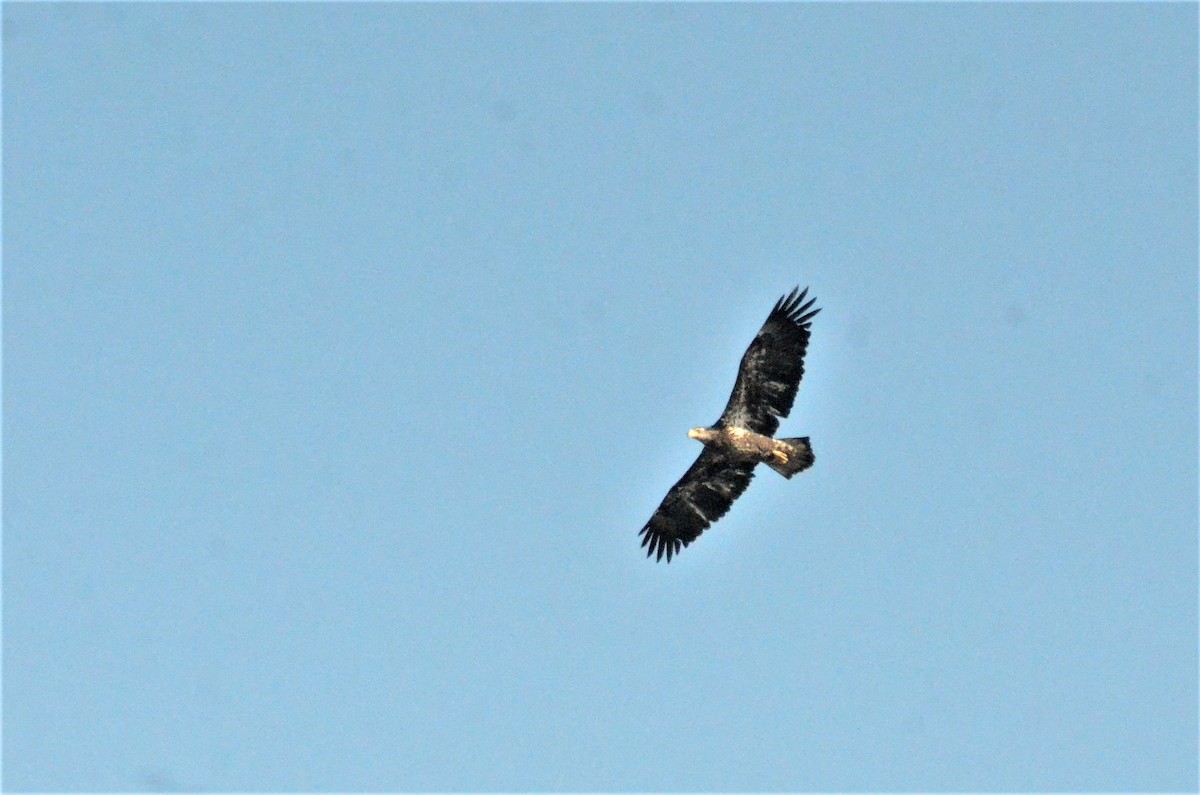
x=694, y=433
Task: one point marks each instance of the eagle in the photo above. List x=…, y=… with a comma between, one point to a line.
x=742, y=438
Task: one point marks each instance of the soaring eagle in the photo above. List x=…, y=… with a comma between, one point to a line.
x=766, y=386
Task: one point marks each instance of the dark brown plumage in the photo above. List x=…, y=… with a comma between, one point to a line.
x=767, y=381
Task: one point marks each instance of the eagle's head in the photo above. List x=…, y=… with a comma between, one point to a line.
x=703, y=434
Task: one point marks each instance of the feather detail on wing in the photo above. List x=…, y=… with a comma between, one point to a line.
x=769, y=375
x=701, y=497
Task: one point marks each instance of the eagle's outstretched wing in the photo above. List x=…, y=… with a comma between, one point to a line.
x=701, y=497
x=772, y=367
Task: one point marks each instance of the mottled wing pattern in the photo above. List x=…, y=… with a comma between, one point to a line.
x=701, y=497
x=772, y=367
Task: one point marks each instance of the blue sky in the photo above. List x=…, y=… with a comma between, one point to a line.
x=347, y=348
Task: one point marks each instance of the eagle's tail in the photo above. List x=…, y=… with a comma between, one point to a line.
x=799, y=456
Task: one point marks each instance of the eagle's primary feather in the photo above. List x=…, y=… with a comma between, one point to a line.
x=767, y=381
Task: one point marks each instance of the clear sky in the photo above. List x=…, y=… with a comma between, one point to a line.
x=348, y=347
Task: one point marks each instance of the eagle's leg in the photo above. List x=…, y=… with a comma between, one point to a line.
x=779, y=456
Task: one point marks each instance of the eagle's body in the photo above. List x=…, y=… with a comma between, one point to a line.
x=767, y=382
x=785, y=456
